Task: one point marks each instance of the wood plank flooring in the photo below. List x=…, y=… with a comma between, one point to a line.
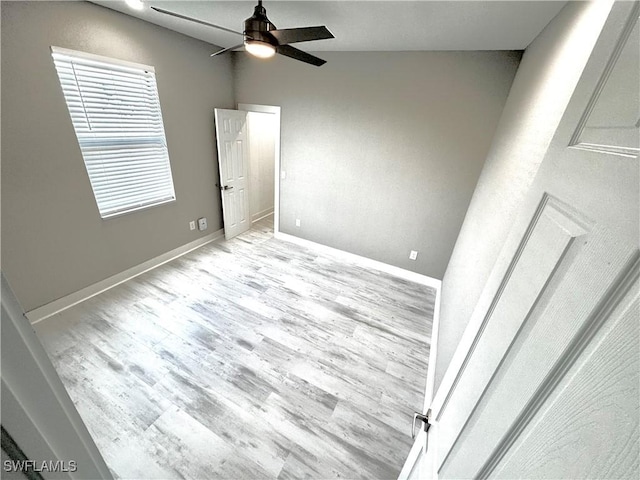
x=248, y=358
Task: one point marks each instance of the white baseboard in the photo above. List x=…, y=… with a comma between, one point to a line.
x=256, y=217
x=364, y=261
x=45, y=311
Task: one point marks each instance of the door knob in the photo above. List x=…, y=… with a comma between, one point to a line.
x=226, y=187
x=423, y=418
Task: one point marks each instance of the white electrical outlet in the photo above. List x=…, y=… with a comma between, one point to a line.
x=297, y=222
x=413, y=255
x=192, y=225
x=283, y=175
x=202, y=223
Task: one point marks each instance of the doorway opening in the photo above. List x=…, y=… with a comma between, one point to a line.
x=264, y=161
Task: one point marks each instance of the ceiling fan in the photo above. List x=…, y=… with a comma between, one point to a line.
x=263, y=39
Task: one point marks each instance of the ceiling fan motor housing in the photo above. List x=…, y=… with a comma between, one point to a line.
x=257, y=26
x=262, y=39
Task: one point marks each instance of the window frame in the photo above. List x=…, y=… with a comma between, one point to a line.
x=161, y=160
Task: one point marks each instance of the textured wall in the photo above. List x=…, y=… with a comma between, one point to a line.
x=548, y=74
x=382, y=150
x=53, y=239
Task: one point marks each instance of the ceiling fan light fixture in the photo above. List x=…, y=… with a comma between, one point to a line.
x=260, y=49
x=262, y=39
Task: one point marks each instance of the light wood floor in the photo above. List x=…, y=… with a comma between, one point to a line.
x=249, y=358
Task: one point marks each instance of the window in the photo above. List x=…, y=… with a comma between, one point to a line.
x=115, y=110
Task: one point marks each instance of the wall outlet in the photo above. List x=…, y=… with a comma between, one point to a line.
x=413, y=254
x=297, y=222
x=192, y=225
x=283, y=175
x=202, y=223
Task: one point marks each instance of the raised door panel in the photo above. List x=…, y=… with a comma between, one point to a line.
x=589, y=425
x=553, y=339
x=611, y=121
x=233, y=151
x=550, y=295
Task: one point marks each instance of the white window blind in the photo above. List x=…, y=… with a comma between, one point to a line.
x=115, y=110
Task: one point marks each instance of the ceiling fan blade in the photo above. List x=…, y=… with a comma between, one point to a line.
x=224, y=50
x=304, y=34
x=289, y=51
x=201, y=22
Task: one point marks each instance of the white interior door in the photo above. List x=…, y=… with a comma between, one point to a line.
x=545, y=382
x=233, y=163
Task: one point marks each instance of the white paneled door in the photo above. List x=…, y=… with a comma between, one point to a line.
x=233, y=163
x=545, y=382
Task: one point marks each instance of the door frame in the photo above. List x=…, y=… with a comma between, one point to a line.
x=38, y=411
x=250, y=107
x=421, y=439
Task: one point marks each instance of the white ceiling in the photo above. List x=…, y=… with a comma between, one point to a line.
x=368, y=25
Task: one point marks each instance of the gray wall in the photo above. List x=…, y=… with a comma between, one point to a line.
x=382, y=150
x=547, y=76
x=53, y=239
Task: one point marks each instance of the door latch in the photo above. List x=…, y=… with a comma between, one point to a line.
x=226, y=187
x=422, y=418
